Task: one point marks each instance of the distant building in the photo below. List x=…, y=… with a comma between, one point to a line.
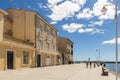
x=65, y=48
x=26, y=40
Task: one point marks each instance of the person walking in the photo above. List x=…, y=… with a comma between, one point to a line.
x=90, y=64
x=94, y=65
x=86, y=64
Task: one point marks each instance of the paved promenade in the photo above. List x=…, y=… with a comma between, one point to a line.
x=61, y=72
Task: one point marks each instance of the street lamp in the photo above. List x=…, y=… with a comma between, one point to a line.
x=98, y=50
x=104, y=9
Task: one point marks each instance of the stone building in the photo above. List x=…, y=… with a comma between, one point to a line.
x=65, y=48
x=26, y=40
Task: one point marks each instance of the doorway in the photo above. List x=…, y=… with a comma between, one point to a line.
x=63, y=59
x=10, y=60
x=48, y=61
x=38, y=60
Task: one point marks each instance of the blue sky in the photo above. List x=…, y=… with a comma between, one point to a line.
x=79, y=20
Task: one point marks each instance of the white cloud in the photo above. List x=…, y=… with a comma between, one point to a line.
x=54, y=22
x=98, y=31
x=86, y=14
x=118, y=11
x=65, y=9
x=53, y=2
x=80, y=2
x=72, y=27
x=86, y=30
x=91, y=30
x=111, y=41
x=40, y=5
x=96, y=23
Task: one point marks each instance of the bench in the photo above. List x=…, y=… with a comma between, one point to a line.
x=104, y=72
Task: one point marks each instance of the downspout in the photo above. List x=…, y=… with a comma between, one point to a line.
x=35, y=40
x=24, y=11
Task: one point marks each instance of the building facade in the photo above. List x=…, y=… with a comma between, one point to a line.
x=46, y=36
x=65, y=48
x=26, y=40
x=15, y=51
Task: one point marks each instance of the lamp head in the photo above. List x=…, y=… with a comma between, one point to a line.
x=103, y=10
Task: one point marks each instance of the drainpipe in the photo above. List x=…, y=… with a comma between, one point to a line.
x=35, y=40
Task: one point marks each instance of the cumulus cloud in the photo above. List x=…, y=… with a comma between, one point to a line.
x=85, y=14
x=96, y=11
x=96, y=23
x=111, y=41
x=88, y=13
x=118, y=11
x=40, y=5
x=80, y=2
x=53, y=2
x=59, y=12
x=86, y=30
x=54, y=22
x=65, y=9
x=73, y=27
x=91, y=30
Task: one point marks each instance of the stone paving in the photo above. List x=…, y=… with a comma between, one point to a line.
x=60, y=72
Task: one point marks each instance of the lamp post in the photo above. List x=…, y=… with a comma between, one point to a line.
x=98, y=50
x=116, y=34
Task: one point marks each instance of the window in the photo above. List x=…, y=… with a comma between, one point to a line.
x=54, y=47
x=48, y=30
x=25, y=57
x=54, y=34
x=41, y=24
x=41, y=28
x=48, y=46
x=41, y=44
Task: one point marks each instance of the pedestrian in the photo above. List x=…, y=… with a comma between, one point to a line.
x=86, y=64
x=90, y=64
x=94, y=65
x=103, y=65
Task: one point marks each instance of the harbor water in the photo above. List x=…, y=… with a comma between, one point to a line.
x=112, y=66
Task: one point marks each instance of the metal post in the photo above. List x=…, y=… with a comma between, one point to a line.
x=116, y=39
x=99, y=54
x=98, y=50
x=116, y=34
